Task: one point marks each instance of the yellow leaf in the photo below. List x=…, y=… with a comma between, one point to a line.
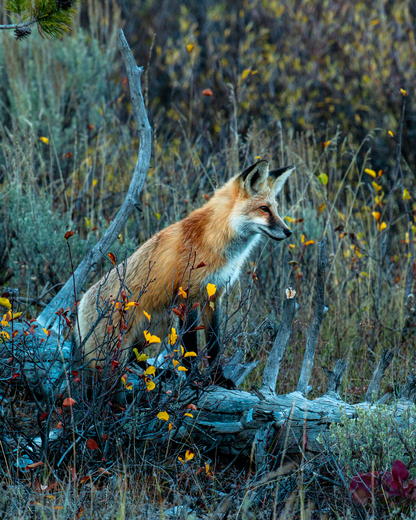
x=129, y=387
x=182, y=369
x=376, y=186
x=326, y=143
x=44, y=140
x=190, y=47
x=47, y=332
x=378, y=198
x=150, y=385
x=147, y=315
x=211, y=289
x=370, y=172
x=123, y=380
x=382, y=226
x=374, y=22
x=257, y=157
x=323, y=178
x=376, y=215
x=182, y=292
x=6, y=303
x=158, y=216
x=189, y=455
x=173, y=337
x=288, y=219
x=150, y=338
x=188, y=415
x=170, y=426
x=150, y=370
x=246, y=72
x=191, y=354
x=95, y=182
x=390, y=133
x=175, y=362
x=131, y=304
x=211, y=304
x=363, y=273
x=406, y=195
x=322, y=206
x=302, y=238
x=207, y=468
x=4, y=334
x=163, y=416
x=139, y=357
x=309, y=242
x=292, y=246
x=254, y=72
x=404, y=92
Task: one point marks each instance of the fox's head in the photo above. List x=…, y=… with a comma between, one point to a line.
x=256, y=208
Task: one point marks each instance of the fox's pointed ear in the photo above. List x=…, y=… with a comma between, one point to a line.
x=279, y=177
x=254, y=176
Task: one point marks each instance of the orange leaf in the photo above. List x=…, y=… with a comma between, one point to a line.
x=34, y=465
x=207, y=92
x=112, y=257
x=92, y=445
x=68, y=235
x=69, y=402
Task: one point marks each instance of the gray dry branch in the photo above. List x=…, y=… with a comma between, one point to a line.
x=305, y=375
x=67, y=295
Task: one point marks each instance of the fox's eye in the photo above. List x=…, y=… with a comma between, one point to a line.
x=265, y=209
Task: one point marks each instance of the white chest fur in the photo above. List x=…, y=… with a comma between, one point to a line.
x=235, y=258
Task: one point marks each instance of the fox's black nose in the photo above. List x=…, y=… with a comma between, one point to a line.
x=288, y=232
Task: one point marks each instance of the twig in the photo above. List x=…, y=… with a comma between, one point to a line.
x=65, y=297
x=317, y=321
x=374, y=386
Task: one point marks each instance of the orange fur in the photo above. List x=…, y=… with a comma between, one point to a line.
x=211, y=234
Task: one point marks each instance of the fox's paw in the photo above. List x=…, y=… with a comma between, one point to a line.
x=225, y=382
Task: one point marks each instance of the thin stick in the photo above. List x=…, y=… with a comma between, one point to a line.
x=313, y=336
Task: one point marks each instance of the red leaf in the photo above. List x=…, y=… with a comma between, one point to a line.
x=178, y=313
x=44, y=416
x=68, y=235
x=200, y=327
x=194, y=306
x=69, y=402
x=92, y=445
x=399, y=470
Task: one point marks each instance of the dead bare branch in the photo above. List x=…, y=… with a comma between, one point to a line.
x=66, y=297
x=317, y=321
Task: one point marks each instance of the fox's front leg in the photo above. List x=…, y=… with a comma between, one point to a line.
x=190, y=342
x=211, y=318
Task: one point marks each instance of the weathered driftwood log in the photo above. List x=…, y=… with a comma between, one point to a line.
x=233, y=421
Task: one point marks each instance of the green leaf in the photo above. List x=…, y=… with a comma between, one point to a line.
x=17, y=6
x=323, y=177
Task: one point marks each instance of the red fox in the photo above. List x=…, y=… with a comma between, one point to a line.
x=219, y=236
